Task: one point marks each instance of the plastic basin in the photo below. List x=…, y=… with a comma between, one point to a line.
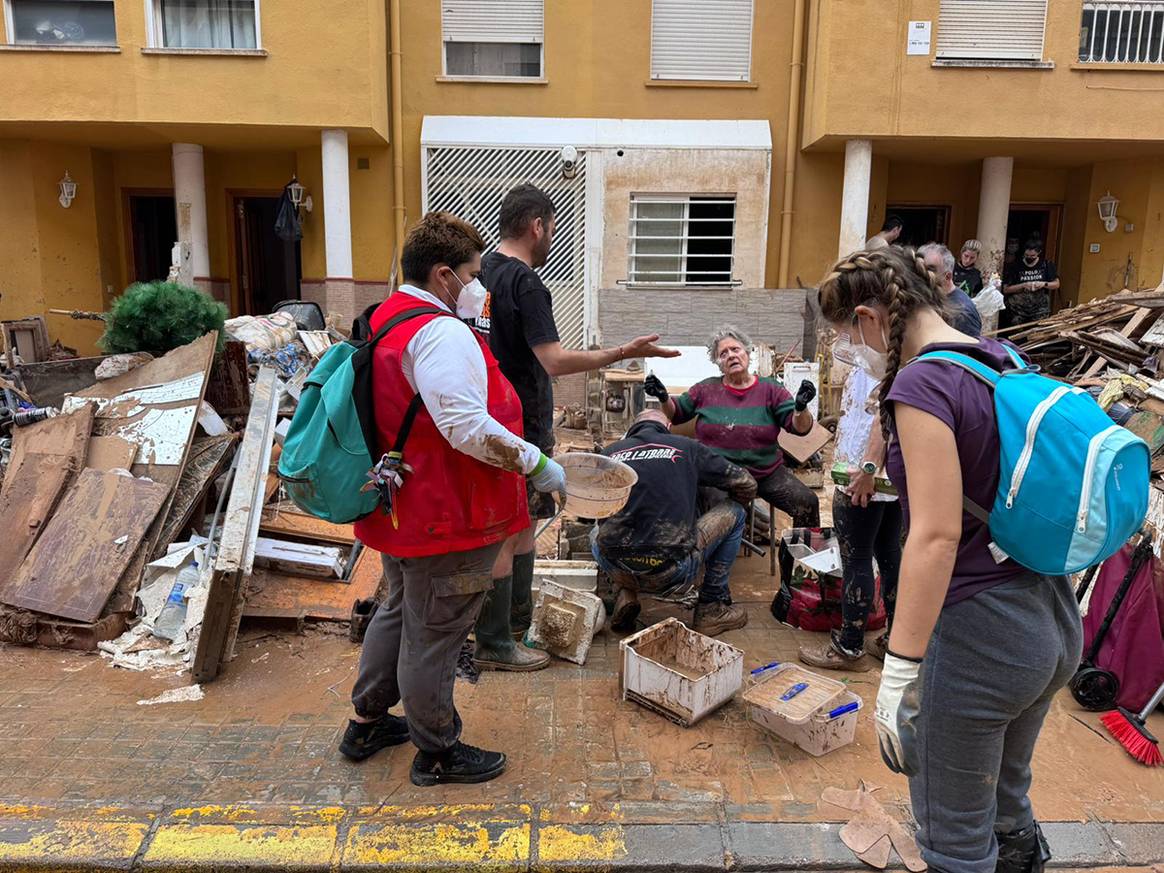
x=596, y=486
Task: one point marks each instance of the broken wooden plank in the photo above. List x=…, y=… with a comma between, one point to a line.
x=110, y=453
x=804, y=447
x=1149, y=427
x=87, y=544
x=269, y=590
x=240, y=529
x=229, y=388
x=299, y=559
x=82, y=636
x=208, y=458
x=290, y=524
x=49, y=381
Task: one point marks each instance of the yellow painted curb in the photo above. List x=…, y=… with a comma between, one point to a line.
x=565, y=843
x=477, y=835
x=186, y=846
x=31, y=838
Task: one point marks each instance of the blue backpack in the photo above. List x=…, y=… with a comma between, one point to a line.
x=1072, y=485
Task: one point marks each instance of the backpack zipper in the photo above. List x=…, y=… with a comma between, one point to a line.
x=1020, y=469
x=1093, y=450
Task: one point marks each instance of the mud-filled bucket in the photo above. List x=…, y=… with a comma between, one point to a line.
x=596, y=486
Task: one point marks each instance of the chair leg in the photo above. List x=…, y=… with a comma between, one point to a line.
x=772, y=540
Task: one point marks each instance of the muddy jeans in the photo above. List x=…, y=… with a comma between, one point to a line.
x=782, y=490
x=993, y=664
x=865, y=533
x=411, y=647
x=718, y=534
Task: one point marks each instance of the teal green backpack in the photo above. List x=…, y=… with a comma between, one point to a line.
x=332, y=442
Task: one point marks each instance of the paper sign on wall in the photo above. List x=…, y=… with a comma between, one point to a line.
x=918, y=38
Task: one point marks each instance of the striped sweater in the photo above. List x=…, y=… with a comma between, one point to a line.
x=740, y=424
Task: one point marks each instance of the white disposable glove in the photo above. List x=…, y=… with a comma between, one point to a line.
x=549, y=477
x=897, y=706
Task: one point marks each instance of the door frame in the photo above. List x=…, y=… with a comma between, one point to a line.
x=127, y=224
x=1054, y=224
x=948, y=208
x=233, y=195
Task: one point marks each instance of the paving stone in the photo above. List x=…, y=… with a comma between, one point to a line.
x=1137, y=842
x=1083, y=844
x=787, y=846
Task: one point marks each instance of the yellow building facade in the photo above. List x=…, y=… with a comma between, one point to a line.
x=702, y=153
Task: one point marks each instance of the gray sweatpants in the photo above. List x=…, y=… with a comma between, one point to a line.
x=993, y=664
x=411, y=647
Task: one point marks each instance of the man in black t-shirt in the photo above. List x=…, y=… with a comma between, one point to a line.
x=1028, y=285
x=519, y=320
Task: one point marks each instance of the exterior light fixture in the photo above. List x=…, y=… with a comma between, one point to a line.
x=1107, y=212
x=299, y=195
x=68, y=189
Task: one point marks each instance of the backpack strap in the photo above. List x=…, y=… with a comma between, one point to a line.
x=400, y=318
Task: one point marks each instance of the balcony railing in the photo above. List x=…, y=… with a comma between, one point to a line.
x=1131, y=32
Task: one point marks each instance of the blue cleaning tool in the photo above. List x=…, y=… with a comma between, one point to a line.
x=794, y=690
x=843, y=709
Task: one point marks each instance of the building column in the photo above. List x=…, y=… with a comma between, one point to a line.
x=993, y=211
x=190, y=209
x=339, y=287
x=855, y=199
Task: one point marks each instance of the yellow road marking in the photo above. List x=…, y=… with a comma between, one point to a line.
x=233, y=844
x=69, y=843
x=557, y=843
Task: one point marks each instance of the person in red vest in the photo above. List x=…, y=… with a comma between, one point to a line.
x=464, y=495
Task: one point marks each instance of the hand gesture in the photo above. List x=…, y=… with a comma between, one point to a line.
x=644, y=347
x=805, y=395
x=655, y=388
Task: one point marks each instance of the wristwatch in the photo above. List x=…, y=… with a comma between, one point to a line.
x=869, y=467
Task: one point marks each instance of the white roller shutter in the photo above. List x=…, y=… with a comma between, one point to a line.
x=492, y=20
x=992, y=29
x=701, y=39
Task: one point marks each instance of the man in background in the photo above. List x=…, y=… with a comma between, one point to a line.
x=1028, y=285
x=964, y=314
x=887, y=236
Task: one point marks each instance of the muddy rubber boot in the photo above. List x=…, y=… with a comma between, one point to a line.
x=878, y=647
x=1024, y=851
x=712, y=619
x=521, y=608
x=626, y=611
x=362, y=612
x=496, y=649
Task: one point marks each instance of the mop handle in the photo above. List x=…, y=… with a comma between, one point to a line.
x=1139, y=555
x=1153, y=703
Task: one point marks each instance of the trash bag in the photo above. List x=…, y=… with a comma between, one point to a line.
x=287, y=224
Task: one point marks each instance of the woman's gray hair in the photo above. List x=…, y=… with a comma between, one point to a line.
x=727, y=331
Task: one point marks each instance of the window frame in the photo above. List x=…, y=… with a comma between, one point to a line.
x=10, y=34
x=654, y=77
x=633, y=238
x=156, y=40
x=489, y=77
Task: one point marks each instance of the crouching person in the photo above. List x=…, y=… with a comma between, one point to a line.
x=657, y=545
x=464, y=495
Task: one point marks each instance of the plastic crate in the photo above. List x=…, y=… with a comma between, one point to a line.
x=804, y=719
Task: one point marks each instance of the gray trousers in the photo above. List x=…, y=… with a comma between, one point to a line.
x=411, y=647
x=993, y=664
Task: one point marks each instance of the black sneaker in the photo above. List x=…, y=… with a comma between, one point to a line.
x=461, y=764
x=364, y=739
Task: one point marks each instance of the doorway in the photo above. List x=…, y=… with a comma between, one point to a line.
x=268, y=268
x=153, y=230
x=921, y=224
x=1039, y=221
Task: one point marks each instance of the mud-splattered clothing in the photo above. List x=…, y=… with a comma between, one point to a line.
x=865, y=533
x=658, y=523
x=1027, y=306
x=742, y=424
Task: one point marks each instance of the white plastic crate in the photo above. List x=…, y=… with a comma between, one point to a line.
x=805, y=719
x=579, y=575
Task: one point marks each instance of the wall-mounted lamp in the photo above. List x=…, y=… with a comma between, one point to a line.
x=1107, y=212
x=68, y=189
x=299, y=195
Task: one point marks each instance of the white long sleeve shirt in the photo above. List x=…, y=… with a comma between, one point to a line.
x=443, y=363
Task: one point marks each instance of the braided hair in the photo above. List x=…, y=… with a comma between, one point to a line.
x=898, y=279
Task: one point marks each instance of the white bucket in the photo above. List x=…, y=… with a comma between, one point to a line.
x=596, y=486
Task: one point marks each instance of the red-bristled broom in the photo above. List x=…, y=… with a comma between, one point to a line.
x=1130, y=731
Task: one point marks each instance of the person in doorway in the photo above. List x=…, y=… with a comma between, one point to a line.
x=967, y=276
x=655, y=545
x=867, y=523
x=464, y=495
x=961, y=311
x=888, y=234
x=524, y=338
x=953, y=711
x=740, y=415
x=1028, y=285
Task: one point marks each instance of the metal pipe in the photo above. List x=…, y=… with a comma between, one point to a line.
x=792, y=140
x=398, y=214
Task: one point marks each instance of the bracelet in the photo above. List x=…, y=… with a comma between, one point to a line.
x=890, y=651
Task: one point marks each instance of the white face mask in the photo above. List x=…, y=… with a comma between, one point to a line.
x=471, y=300
x=870, y=360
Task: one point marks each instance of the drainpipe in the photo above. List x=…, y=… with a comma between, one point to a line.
x=792, y=143
x=397, y=135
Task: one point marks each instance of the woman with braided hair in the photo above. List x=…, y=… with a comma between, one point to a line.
x=978, y=647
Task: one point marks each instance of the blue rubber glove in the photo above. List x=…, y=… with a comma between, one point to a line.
x=549, y=477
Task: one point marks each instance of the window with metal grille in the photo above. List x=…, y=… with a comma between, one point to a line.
x=60, y=22
x=698, y=40
x=494, y=39
x=682, y=240
x=1003, y=30
x=1122, y=33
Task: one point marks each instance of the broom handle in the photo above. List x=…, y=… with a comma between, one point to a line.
x=1152, y=704
x=1139, y=555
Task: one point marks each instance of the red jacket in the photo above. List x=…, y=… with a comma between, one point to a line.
x=450, y=502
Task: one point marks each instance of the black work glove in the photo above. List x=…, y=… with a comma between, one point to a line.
x=654, y=388
x=804, y=395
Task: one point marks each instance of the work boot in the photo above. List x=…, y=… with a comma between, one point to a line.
x=496, y=649
x=362, y=612
x=828, y=657
x=712, y=619
x=363, y=739
x=462, y=764
x=626, y=611
x=1023, y=851
x=878, y=647
x=521, y=608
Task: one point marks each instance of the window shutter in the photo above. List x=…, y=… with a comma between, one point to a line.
x=492, y=20
x=701, y=39
x=992, y=29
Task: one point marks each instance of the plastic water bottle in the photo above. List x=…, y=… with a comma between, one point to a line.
x=172, y=618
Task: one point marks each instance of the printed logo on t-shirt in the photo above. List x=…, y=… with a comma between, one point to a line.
x=482, y=321
x=649, y=452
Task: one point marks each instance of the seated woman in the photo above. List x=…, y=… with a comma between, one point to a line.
x=740, y=415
